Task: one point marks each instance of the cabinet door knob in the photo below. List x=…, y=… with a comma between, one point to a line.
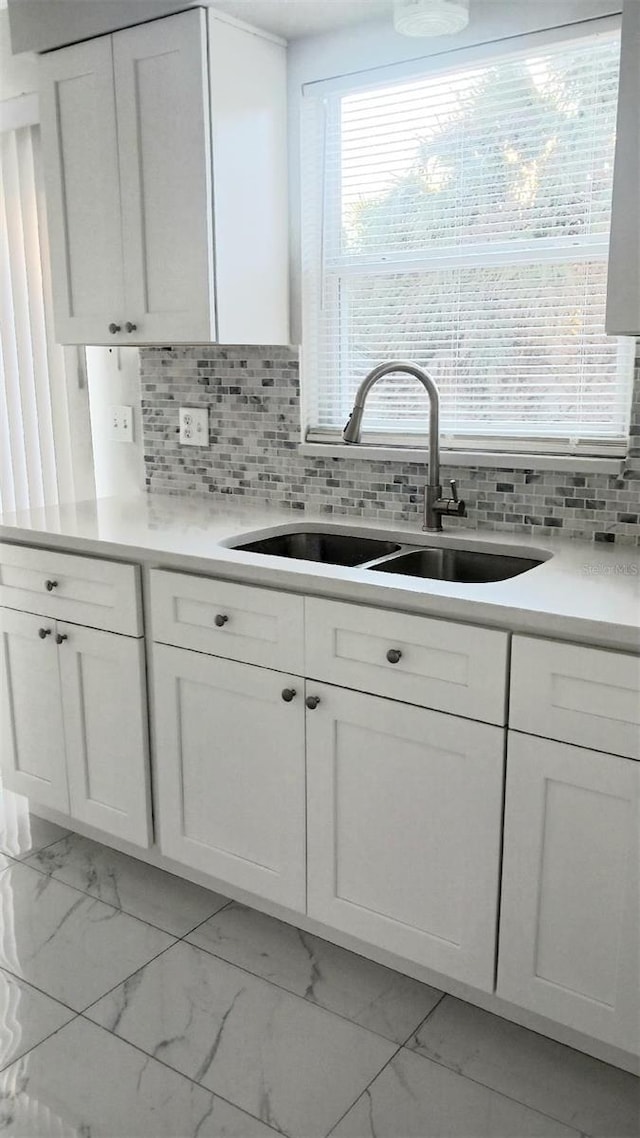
x=221, y=619
x=312, y=702
x=42, y=632
x=394, y=655
x=130, y=327
x=61, y=637
x=288, y=694
x=49, y=585
x=113, y=328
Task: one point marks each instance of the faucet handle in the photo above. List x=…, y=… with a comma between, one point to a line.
x=454, y=489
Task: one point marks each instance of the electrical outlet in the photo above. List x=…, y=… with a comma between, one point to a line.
x=121, y=424
x=194, y=426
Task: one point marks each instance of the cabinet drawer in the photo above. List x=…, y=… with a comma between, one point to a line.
x=449, y=667
x=66, y=586
x=588, y=696
x=260, y=626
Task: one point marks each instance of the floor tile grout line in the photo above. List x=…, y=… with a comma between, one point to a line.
x=17, y=1058
x=423, y=1021
x=124, y=981
x=364, y=1090
x=311, y=1003
x=118, y=909
x=40, y=849
x=199, y=925
x=42, y=991
x=503, y=1094
x=175, y=1071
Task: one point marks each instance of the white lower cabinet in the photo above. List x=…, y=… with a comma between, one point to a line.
x=569, y=918
x=32, y=743
x=229, y=747
x=74, y=726
x=102, y=679
x=404, y=826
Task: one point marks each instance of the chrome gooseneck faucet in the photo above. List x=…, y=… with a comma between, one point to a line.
x=434, y=504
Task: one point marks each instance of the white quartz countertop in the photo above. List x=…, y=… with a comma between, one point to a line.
x=584, y=592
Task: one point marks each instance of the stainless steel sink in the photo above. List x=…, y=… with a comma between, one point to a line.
x=330, y=548
x=462, y=565
x=434, y=562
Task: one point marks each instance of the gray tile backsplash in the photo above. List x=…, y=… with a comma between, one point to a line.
x=253, y=395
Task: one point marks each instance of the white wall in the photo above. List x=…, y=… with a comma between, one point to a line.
x=377, y=44
x=113, y=376
x=17, y=72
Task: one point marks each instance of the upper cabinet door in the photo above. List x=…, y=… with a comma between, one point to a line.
x=623, y=299
x=81, y=172
x=165, y=171
x=32, y=742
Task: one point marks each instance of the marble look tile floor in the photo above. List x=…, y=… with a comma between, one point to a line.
x=135, y=1004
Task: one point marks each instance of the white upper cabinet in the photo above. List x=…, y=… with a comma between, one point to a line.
x=623, y=299
x=162, y=108
x=80, y=155
x=135, y=193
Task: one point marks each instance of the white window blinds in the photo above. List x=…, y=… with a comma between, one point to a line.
x=43, y=421
x=461, y=221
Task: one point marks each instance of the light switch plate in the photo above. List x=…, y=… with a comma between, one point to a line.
x=121, y=424
x=194, y=426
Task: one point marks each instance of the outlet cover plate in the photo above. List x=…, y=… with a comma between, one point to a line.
x=194, y=426
x=120, y=423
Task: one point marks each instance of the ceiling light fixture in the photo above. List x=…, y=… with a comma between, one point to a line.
x=430, y=17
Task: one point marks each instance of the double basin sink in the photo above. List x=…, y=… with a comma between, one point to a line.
x=438, y=563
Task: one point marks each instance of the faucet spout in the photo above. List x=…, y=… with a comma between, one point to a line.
x=435, y=505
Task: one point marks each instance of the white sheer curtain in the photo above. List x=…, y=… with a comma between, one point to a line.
x=45, y=455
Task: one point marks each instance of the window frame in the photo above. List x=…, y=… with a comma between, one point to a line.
x=495, y=253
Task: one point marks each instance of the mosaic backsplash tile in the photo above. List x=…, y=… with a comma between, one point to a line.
x=253, y=396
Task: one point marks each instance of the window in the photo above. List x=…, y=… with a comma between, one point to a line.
x=460, y=220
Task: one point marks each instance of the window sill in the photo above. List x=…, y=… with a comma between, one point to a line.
x=459, y=458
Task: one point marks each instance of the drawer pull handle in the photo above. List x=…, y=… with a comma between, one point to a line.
x=61, y=637
x=288, y=694
x=312, y=702
x=113, y=328
x=394, y=655
x=130, y=327
x=49, y=585
x=42, y=632
x=221, y=620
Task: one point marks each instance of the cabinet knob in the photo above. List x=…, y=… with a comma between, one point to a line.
x=50, y=585
x=42, y=632
x=221, y=619
x=288, y=694
x=312, y=702
x=61, y=637
x=130, y=327
x=394, y=655
x=113, y=328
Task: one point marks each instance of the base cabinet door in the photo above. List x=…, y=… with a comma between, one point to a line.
x=569, y=916
x=102, y=678
x=32, y=742
x=404, y=811
x=229, y=748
